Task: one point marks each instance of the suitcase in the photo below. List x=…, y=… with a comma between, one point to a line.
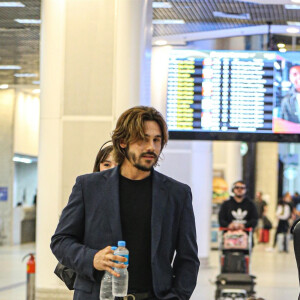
x=235, y=281
x=234, y=262
x=264, y=235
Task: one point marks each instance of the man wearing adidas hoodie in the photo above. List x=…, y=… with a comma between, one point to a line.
x=238, y=212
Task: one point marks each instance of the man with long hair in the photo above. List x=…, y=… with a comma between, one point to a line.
x=150, y=211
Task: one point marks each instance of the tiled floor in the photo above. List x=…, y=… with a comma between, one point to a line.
x=276, y=274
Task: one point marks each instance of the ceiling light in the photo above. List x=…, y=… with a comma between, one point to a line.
x=22, y=160
x=296, y=1
x=161, y=5
x=161, y=43
x=36, y=91
x=289, y=6
x=220, y=14
x=11, y=4
x=168, y=21
x=292, y=30
x=280, y=45
x=25, y=75
x=282, y=50
x=36, y=82
x=28, y=21
x=3, y=86
x=9, y=67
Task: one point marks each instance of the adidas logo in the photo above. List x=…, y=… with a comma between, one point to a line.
x=240, y=215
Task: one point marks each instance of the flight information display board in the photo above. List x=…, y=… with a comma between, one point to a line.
x=230, y=95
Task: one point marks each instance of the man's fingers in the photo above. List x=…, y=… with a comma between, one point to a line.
x=114, y=265
x=119, y=258
x=112, y=257
x=108, y=250
x=111, y=271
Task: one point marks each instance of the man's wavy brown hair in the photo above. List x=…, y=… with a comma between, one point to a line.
x=130, y=128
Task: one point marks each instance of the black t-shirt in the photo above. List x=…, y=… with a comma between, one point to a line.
x=135, y=211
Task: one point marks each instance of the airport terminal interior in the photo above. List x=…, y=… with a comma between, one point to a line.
x=225, y=74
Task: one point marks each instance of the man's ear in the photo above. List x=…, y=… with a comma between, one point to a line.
x=123, y=144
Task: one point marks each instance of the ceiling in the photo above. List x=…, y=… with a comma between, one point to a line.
x=19, y=43
x=198, y=15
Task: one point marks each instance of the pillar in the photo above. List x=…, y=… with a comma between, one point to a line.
x=7, y=103
x=227, y=159
x=95, y=63
x=267, y=174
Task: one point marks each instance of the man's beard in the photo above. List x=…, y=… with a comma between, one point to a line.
x=239, y=196
x=136, y=162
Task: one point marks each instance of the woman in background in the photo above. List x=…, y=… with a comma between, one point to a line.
x=104, y=159
x=283, y=214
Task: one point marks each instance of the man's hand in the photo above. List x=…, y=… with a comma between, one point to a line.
x=104, y=261
x=236, y=226
x=241, y=226
x=231, y=226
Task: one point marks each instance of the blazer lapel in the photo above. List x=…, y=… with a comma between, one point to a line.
x=159, y=201
x=113, y=204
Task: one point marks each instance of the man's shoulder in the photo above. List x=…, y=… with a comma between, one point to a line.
x=250, y=202
x=227, y=202
x=96, y=176
x=171, y=182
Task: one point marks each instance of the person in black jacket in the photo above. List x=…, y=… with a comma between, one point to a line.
x=153, y=213
x=238, y=212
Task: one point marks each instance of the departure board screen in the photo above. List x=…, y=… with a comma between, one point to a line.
x=233, y=95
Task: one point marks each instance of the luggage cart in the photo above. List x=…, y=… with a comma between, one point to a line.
x=235, y=281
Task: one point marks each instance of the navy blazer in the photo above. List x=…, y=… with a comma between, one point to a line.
x=91, y=221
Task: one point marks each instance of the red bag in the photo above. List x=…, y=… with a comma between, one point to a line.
x=264, y=235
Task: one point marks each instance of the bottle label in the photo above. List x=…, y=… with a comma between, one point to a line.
x=126, y=256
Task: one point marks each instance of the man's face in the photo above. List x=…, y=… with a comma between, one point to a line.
x=295, y=77
x=143, y=154
x=239, y=190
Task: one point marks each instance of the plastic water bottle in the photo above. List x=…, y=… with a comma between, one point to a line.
x=120, y=284
x=106, y=285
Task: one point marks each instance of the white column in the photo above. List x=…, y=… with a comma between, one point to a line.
x=267, y=174
x=49, y=200
x=159, y=77
x=202, y=176
x=227, y=158
x=95, y=63
x=233, y=162
x=7, y=104
x=132, y=49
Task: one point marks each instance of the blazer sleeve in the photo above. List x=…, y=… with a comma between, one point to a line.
x=186, y=262
x=67, y=243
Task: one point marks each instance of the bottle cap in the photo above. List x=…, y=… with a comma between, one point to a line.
x=121, y=243
x=114, y=248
